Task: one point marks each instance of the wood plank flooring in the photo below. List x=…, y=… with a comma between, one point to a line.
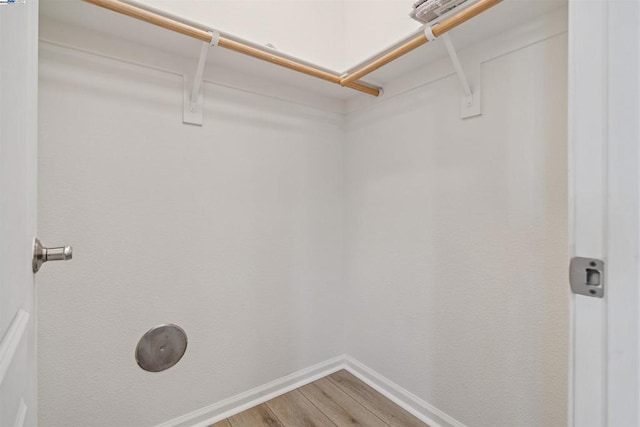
x=339, y=399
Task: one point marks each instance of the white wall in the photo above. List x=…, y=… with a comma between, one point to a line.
x=309, y=29
x=455, y=282
x=232, y=230
x=373, y=25
x=335, y=34
x=457, y=242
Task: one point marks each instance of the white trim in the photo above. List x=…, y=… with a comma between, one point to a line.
x=228, y=407
x=21, y=416
x=604, y=387
x=401, y=396
x=11, y=341
x=588, y=152
x=623, y=225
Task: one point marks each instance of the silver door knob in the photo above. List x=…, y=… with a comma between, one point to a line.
x=42, y=254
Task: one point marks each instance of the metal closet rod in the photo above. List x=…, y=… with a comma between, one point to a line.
x=348, y=81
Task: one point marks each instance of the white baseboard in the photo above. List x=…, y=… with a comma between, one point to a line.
x=400, y=396
x=226, y=408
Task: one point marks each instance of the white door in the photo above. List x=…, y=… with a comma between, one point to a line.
x=604, y=169
x=18, y=168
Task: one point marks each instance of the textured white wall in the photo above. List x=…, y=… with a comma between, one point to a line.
x=232, y=230
x=456, y=284
x=457, y=242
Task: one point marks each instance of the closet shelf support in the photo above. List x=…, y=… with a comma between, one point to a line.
x=193, y=86
x=471, y=103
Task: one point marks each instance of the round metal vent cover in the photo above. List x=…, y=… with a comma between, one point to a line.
x=161, y=348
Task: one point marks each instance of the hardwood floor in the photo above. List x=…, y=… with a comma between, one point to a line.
x=339, y=399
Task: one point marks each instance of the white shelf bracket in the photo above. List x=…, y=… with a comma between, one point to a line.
x=193, y=98
x=470, y=104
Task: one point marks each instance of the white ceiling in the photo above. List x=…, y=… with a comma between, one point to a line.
x=508, y=14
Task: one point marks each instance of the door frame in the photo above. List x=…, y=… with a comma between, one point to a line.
x=604, y=199
x=18, y=216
